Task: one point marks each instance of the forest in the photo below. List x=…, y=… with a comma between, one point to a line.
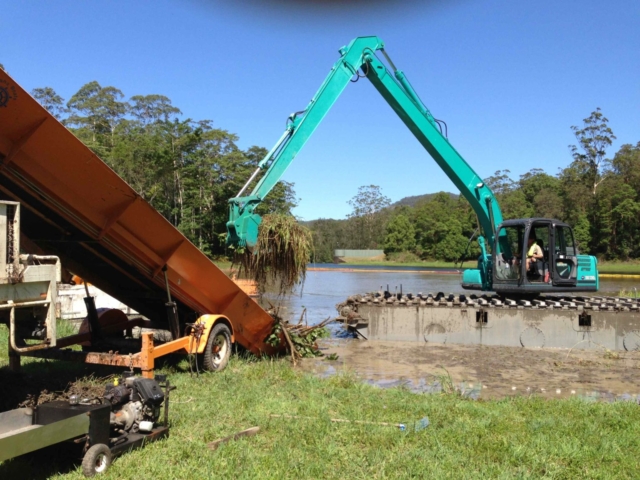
x=188, y=169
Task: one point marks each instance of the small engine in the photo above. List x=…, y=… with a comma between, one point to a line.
x=135, y=404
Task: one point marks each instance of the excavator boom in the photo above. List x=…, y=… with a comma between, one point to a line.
x=359, y=59
x=507, y=267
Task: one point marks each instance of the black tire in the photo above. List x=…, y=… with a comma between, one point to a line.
x=97, y=460
x=218, y=349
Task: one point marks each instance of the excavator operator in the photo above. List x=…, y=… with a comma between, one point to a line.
x=534, y=252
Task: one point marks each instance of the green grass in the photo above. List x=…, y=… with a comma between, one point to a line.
x=512, y=438
x=224, y=265
x=622, y=268
x=64, y=328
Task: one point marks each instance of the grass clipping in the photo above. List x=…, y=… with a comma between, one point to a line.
x=281, y=255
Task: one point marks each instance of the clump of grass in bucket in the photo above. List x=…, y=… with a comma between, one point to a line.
x=281, y=254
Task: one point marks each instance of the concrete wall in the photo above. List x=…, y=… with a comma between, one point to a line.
x=556, y=328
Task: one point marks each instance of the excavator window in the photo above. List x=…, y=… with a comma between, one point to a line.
x=539, y=269
x=565, y=250
x=509, y=252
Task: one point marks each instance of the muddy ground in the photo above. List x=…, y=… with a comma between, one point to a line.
x=488, y=372
x=480, y=371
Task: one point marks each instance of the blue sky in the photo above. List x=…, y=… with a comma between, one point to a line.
x=508, y=77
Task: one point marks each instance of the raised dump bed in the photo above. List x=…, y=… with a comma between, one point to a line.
x=75, y=207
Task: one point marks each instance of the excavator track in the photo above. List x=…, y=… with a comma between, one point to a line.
x=556, y=321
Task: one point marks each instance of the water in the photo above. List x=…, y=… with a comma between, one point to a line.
x=324, y=289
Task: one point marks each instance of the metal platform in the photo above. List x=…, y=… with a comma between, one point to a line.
x=547, y=321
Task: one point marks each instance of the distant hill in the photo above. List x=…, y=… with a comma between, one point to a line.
x=406, y=201
x=412, y=201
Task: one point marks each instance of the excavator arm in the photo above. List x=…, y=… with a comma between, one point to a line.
x=359, y=59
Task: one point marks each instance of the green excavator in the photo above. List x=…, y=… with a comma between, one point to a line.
x=505, y=264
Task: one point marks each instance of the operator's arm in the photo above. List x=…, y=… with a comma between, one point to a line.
x=535, y=252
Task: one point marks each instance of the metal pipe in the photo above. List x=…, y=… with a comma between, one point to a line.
x=6, y=306
x=263, y=162
x=167, y=392
x=388, y=59
x=246, y=185
x=404, y=81
x=12, y=334
x=166, y=283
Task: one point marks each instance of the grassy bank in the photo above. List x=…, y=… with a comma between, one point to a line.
x=619, y=268
x=422, y=264
x=521, y=437
x=611, y=268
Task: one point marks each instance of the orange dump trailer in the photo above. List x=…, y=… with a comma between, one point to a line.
x=75, y=207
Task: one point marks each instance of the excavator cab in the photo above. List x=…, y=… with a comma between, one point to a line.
x=519, y=267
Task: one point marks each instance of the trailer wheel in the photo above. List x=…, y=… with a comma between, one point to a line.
x=218, y=350
x=96, y=460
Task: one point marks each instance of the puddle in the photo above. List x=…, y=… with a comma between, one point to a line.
x=485, y=372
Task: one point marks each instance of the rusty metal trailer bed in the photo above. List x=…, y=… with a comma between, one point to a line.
x=77, y=208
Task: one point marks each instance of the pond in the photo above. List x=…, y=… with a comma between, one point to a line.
x=475, y=370
x=324, y=289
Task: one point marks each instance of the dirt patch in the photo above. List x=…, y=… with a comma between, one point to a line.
x=495, y=372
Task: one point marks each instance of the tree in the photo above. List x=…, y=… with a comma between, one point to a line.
x=152, y=109
x=452, y=246
x=541, y=192
x=367, y=207
x=400, y=234
x=511, y=198
x=97, y=110
x=626, y=164
x=582, y=233
x=328, y=235
x=583, y=177
x=594, y=138
x=500, y=182
x=50, y=100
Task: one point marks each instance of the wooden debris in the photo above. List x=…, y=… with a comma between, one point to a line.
x=249, y=432
x=342, y=420
x=300, y=338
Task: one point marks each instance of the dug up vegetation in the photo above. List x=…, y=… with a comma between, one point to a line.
x=279, y=260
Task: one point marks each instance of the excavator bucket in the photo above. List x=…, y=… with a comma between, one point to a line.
x=74, y=206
